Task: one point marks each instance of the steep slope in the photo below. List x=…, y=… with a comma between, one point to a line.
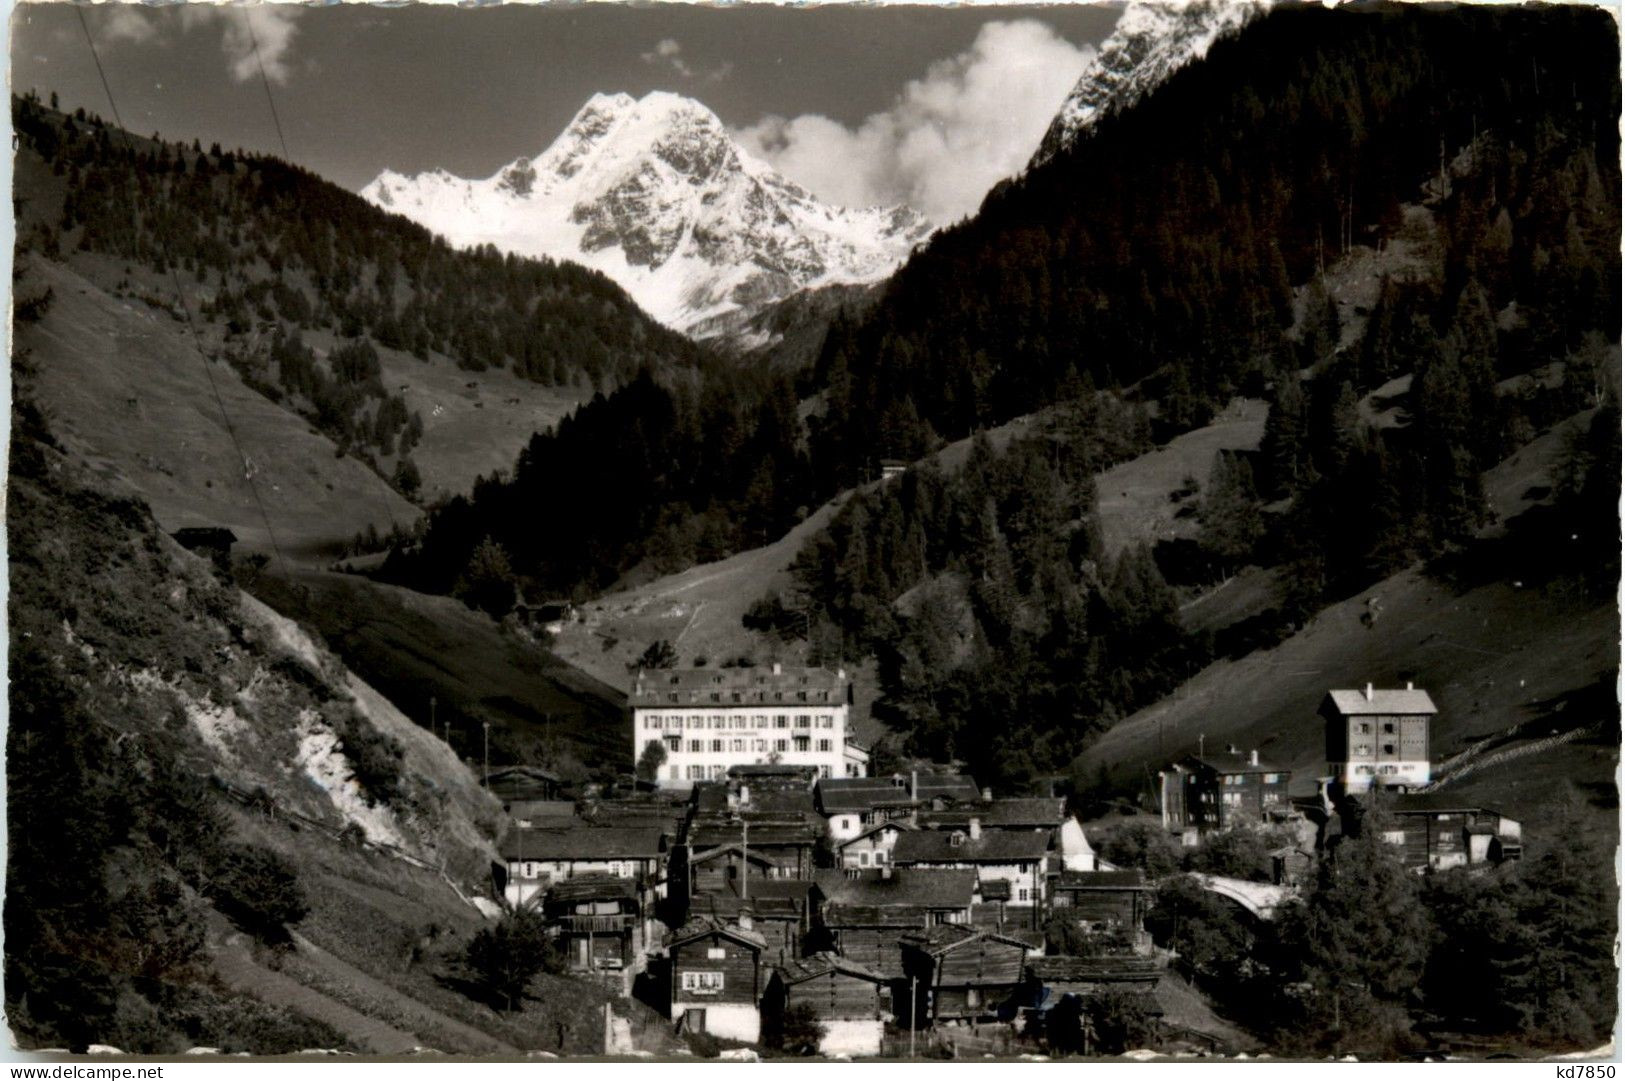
x=191, y=756
x=130, y=394
x=1149, y=43
x=655, y=194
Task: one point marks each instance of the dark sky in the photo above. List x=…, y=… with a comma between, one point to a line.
x=362, y=88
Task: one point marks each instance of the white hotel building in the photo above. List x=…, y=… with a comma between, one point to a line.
x=712, y=718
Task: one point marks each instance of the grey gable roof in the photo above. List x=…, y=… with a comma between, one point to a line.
x=1403, y=701
x=913, y=887
x=582, y=843
x=994, y=846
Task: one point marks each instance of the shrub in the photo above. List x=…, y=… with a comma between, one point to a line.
x=259, y=891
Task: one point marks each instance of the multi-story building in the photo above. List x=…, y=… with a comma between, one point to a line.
x=709, y=719
x=1378, y=737
x=1217, y=791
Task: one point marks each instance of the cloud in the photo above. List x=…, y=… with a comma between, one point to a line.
x=973, y=120
x=123, y=23
x=668, y=52
x=271, y=27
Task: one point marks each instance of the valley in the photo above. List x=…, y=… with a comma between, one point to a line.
x=628, y=605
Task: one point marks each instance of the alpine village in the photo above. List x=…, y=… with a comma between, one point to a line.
x=1170, y=612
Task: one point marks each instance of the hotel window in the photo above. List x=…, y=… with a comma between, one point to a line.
x=781, y=745
x=737, y=745
x=825, y=745
x=826, y=722
x=695, y=773
x=1021, y=895
x=716, y=746
x=1272, y=778
x=1387, y=748
x=781, y=720
x=863, y=859
x=695, y=746
x=803, y=721
x=716, y=773
x=823, y=771
x=674, y=743
x=803, y=743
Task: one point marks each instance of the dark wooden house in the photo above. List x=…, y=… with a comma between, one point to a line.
x=864, y=915
x=1221, y=790
x=779, y=909
x=958, y=973
x=597, y=919
x=851, y=1002
x=1104, y=902
x=717, y=979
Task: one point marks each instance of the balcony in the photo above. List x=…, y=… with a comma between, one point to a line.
x=597, y=925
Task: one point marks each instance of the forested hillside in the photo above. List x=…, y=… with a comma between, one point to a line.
x=1169, y=251
x=299, y=284
x=1168, y=240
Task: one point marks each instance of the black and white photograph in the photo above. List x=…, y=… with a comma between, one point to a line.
x=571, y=533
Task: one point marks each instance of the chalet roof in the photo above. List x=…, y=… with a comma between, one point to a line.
x=700, y=928
x=993, y=846
x=1121, y=968
x=709, y=854
x=779, y=802
x=1224, y=762
x=777, y=834
x=879, y=827
x=801, y=969
x=1100, y=880
x=581, y=842
x=748, y=770
x=847, y=794
x=729, y=907
x=521, y=782
x=1022, y=813
x=1406, y=701
x=711, y=797
x=944, y=937
x=560, y=811
x=593, y=887
x=955, y=787
x=654, y=688
x=909, y=887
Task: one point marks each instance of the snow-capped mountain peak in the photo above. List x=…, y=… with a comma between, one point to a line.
x=1152, y=40
x=654, y=193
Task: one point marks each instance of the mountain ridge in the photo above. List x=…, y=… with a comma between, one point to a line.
x=654, y=193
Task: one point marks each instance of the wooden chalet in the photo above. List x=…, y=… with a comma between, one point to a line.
x=779, y=909
x=957, y=973
x=598, y=919
x=1103, y=901
x=865, y=914
x=1437, y=831
x=850, y=1001
x=787, y=842
x=717, y=979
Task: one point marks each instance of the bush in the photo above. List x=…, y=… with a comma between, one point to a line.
x=503, y=958
x=259, y=891
x=375, y=757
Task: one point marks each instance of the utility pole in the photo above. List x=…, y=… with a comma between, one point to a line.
x=913, y=1011
x=744, y=848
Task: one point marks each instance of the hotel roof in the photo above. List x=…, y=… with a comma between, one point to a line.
x=723, y=687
